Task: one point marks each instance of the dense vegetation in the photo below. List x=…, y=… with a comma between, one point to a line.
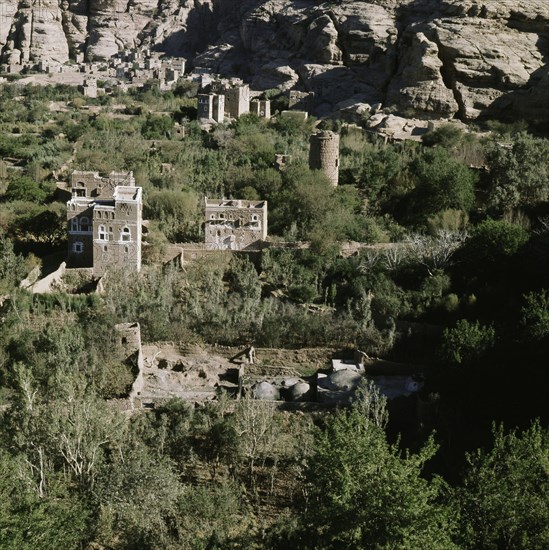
x=457, y=282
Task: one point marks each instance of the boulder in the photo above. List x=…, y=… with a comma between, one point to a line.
x=275, y=74
x=341, y=380
x=321, y=41
x=266, y=392
x=345, y=380
x=299, y=392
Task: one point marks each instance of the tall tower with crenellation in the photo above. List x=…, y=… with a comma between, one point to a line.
x=324, y=154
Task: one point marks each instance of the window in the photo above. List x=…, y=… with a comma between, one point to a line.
x=74, y=224
x=102, y=233
x=84, y=224
x=255, y=218
x=126, y=249
x=78, y=247
x=126, y=234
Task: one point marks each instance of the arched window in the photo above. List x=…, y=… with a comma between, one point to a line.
x=79, y=190
x=74, y=224
x=84, y=224
x=126, y=234
x=255, y=218
x=102, y=233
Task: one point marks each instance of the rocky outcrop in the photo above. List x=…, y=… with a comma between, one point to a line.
x=418, y=85
x=422, y=58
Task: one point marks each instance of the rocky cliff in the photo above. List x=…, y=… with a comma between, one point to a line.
x=426, y=58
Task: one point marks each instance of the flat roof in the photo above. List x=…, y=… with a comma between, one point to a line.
x=234, y=203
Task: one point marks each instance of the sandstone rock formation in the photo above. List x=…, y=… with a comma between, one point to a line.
x=422, y=58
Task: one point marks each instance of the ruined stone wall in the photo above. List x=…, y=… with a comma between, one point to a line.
x=128, y=337
x=324, y=154
x=89, y=181
x=98, y=187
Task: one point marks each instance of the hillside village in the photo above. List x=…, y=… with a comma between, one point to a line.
x=240, y=309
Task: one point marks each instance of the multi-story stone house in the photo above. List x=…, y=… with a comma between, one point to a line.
x=104, y=219
x=235, y=224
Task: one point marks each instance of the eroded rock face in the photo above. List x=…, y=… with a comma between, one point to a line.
x=423, y=58
x=418, y=85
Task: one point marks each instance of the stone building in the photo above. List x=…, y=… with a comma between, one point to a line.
x=237, y=101
x=324, y=154
x=235, y=224
x=261, y=107
x=174, y=63
x=237, y=96
x=211, y=107
x=89, y=89
x=104, y=219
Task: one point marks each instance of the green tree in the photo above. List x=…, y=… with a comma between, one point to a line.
x=157, y=127
x=137, y=494
x=490, y=246
x=447, y=136
x=12, y=266
x=442, y=183
x=466, y=342
x=23, y=188
x=70, y=430
x=365, y=493
x=48, y=225
x=29, y=521
x=176, y=211
x=519, y=176
x=535, y=315
x=505, y=492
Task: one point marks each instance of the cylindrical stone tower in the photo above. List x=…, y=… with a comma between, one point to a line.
x=324, y=154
